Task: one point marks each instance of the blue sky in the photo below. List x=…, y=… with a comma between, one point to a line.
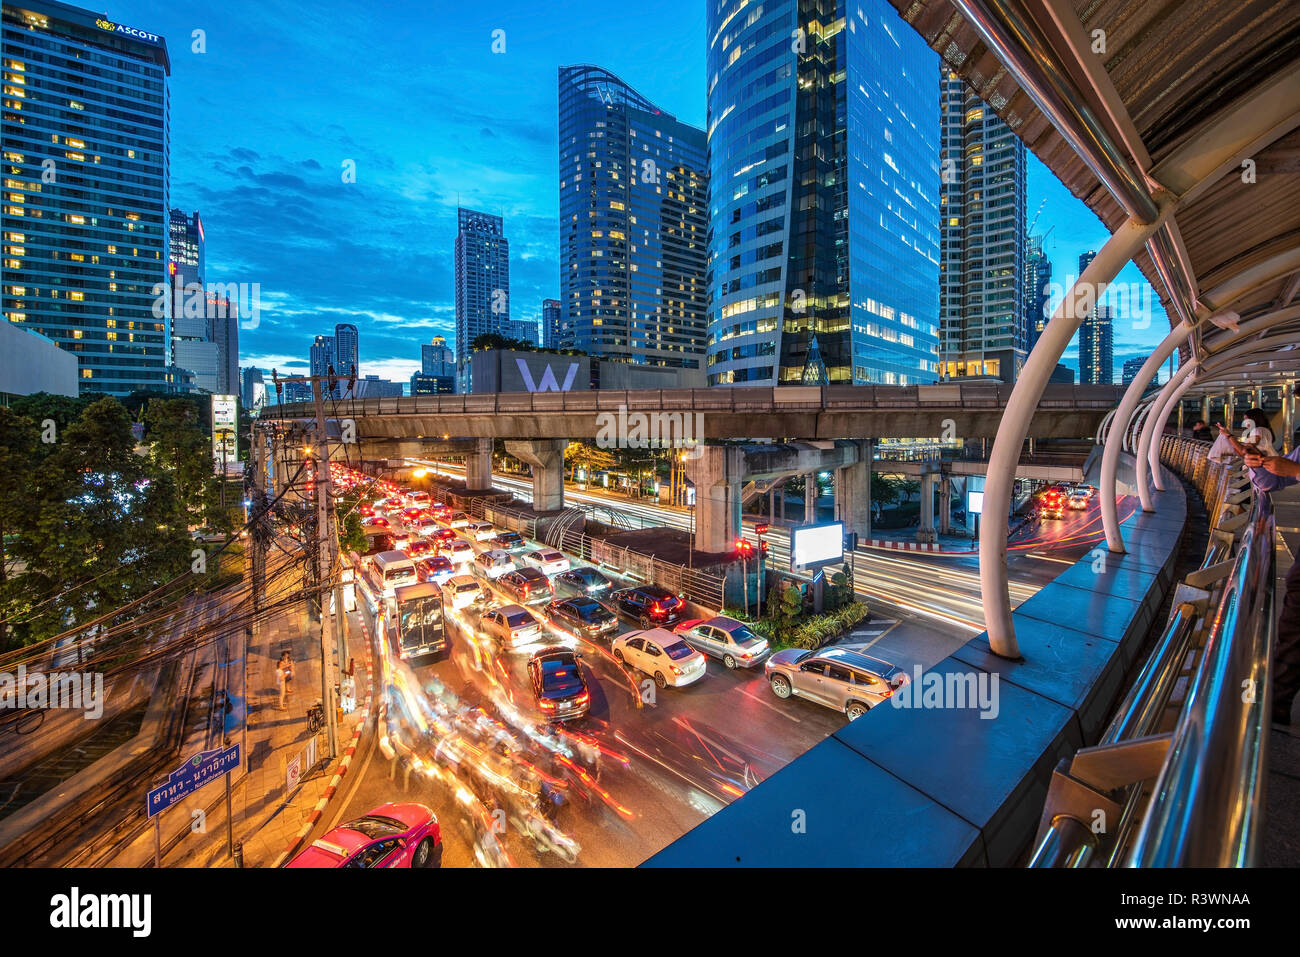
x=284, y=94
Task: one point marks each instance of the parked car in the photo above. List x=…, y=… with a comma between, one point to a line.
x=649, y=605
x=493, y=563
x=724, y=638
x=461, y=591
x=435, y=568
x=583, y=581
x=660, y=654
x=548, y=560
x=526, y=585
x=558, y=686
x=847, y=681
x=512, y=625
x=509, y=542
x=584, y=616
x=392, y=835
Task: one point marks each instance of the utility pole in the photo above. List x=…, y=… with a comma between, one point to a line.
x=326, y=566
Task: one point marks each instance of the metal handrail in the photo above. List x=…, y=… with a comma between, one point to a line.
x=1200, y=819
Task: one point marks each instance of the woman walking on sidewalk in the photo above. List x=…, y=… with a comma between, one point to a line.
x=284, y=678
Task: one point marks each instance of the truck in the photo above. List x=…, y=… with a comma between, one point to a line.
x=416, y=625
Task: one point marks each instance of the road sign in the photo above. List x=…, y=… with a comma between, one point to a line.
x=293, y=773
x=204, y=768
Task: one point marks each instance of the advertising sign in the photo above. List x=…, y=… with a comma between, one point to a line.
x=813, y=546
x=225, y=422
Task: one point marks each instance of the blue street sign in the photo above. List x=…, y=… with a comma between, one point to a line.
x=204, y=768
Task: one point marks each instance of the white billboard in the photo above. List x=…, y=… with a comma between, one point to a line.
x=225, y=424
x=813, y=546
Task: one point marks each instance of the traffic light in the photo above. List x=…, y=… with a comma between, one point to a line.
x=761, y=529
x=762, y=547
x=850, y=541
x=744, y=548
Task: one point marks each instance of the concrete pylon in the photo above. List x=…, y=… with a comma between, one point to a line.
x=478, y=467
x=717, y=473
x=945, y=505
x=853, y=492
x=926, y=533
x=810, y=498
x=546, y=458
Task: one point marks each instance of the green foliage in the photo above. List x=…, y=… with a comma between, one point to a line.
x=580, y=455
x=179, y=445
x=816, y=631
x=839, y=591
x=352, y=537
x=884, y=490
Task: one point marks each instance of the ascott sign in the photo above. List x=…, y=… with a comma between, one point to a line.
x=813, y=546
x=225, y=421
x=132, y=32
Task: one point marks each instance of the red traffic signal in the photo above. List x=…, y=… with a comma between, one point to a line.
x=761, y=529
x=744, y=548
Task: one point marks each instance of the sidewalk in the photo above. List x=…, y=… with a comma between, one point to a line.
x=268, y=816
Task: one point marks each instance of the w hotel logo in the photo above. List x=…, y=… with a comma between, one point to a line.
x=548, y=382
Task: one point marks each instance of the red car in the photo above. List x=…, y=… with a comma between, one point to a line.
x=393, y=835
x=444, y=535
x=418, y=549
x=367, y=511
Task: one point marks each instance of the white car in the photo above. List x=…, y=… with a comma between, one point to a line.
x=660, y=654
x=461, y=592
x=458, y=520
x=460, y=552
x=481, y=531
x=548, y=560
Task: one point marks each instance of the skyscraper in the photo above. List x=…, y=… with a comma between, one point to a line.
x=1038, y=286
x=1131, y=369
x=223, y=329
x=436, y=359
x=322, y=355
x=552, y=323
x=252, y=389
x=482, y=282
x=824, y=211
x=525, y=330
x=633, y=224
x=347, y=348
x=84, y=215
x=1096, y=366
x=983, y=329
x=192, y=346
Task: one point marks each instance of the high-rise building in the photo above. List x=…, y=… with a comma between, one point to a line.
x=1038, y=287
x=1131, y=369
x=422, y=384
x=1095, y=348
x=322, y=355
x=223, y=329
x=983, y=329
x=824, y=210
x=85, y=213
x=482, y=283
x=347, y=351
x=192, y=346
x=373, y=387
x=1085, y=259
x=525, y=330
x=436, y=359
x=252, y=389
x=633, y=225
x=552, y=323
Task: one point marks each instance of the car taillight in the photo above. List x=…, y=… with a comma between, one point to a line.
x=583, y=698
x=675, y=670
x=658, y=608
x=548, y=705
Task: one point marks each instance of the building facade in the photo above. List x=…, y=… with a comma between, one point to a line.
x=322, y=355
x=425, y=384
x=84, y=210
x=1096, y=365
x=347, y=349
x=983, y=313
x=633, y=224
x=482, y=282
x=823, y=141
x=436, y=359
x=1038, y=288
x=553, y=326
x=252, y=389
x=1131, y=368
x=524, y=330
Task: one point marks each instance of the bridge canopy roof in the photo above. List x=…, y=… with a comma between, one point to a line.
x=1125, y=100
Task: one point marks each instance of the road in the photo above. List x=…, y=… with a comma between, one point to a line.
x=668, y=759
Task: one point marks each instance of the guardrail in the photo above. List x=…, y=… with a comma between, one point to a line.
x=1190, y=797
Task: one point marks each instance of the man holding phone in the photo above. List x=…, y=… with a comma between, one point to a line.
x=1268, y=473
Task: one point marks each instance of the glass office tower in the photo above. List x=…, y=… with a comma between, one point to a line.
x=84, y=208
x=823, y=162
x=482, y=261
x=633, y=221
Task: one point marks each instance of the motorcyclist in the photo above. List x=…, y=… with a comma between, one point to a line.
x=549, y=801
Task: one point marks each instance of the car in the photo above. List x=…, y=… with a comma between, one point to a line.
x=462, y=591
x=548, y=560
x=435, y=568
x=443, y=535
x=509, y=542
x=584, y=617
x=418, y=548
x=583, y=581
x=411, y=514
x=493, y=563
x=660, y=654
x=649, y=605
x=425, y=525
x=559, y=689
x=392, y=835
x=459, y=552
x=375, y=521
x=1052, y=504
x=1078, y=500
x=512, y=625
x=366, y=510
x=458, y=520
x=480, y=531
x=724, y=638
x=526, y=585
x=847, y=681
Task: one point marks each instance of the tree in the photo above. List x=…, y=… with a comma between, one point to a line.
x=580, y=455
x=493, y=340
x=347, y=521
x=884, y=489
x=179, y=444
x=17, y=458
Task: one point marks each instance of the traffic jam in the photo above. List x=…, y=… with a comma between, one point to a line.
x=525, y=683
